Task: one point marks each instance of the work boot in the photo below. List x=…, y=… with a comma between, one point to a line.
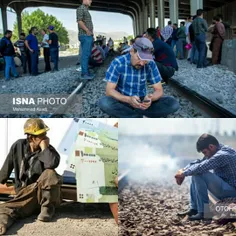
x=5, y=222
x=198, y=216
x=48, y=204
x=190, y=212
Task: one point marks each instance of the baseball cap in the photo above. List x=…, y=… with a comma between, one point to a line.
x=145, y=49
x=51, y=27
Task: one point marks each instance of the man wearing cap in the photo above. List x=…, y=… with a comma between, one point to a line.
x=85, y=26
x=36, y=182
x=54, y=47
x=163, y=55
x=126, y=92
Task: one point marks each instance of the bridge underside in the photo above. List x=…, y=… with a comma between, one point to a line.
x=142, y=12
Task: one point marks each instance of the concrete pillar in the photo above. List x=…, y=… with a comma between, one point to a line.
x=141, y=22
x=4, y=18
x=137, y=25
x=195, y=5
x=161, y=14
x=152, y=13
x=134, y=28
x=19, y=22
x=174, y=11
x=145, y=18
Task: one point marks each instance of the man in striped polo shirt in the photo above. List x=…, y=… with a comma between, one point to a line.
x=126, y=90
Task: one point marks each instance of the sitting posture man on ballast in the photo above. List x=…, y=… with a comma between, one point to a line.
x=36, y=182
x=126, y=89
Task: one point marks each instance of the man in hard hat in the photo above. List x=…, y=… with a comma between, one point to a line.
x=36, y=182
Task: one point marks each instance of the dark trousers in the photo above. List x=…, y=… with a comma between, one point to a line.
x=54, y=53
x=200, y=41
x=181, y=47
x=166, y=72
x=24, y=61
x=34, y=62
x=46, y=54
x=94, y=63
x=161, y=108
x=28, y=61
x=216, y=50
x=29, y=199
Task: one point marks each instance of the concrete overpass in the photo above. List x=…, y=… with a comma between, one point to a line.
x=142, y=12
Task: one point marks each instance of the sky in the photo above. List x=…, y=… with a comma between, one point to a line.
x=103, y=21
x=175, y=126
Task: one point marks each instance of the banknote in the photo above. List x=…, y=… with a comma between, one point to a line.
x=92, y=150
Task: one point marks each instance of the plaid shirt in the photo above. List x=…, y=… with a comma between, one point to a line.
x=84, y=15
x=167, y=32
x=130, y=81
x=223, y=164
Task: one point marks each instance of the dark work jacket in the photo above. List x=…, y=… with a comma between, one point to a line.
x=6, y=47
x=20, y=153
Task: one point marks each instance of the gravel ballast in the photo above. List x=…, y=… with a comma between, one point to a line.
x=149, y=207
x=216, y=83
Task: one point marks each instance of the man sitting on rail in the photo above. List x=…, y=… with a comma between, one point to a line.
x=126, y=89
x=222, y=182
x=36, y=182
x=164, y=55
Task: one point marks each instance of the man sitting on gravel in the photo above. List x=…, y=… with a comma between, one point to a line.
x=126, y=89
x=222, y=182
x=164, y=55
x=36, y=182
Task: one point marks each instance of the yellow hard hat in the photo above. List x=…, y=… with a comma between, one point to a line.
x=35, y=126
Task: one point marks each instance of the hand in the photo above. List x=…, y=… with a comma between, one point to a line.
x=134, y=102
x=180, y=177
x=44, y=143
x=31, y=50
x=88, y=32
x=145, y=105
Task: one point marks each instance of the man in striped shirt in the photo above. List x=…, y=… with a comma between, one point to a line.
x=96, y=56
x=222, y=182
x=126, y=90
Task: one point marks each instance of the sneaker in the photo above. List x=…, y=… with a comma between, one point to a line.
x=78, y=63
x=87, y=77
x=79, y=69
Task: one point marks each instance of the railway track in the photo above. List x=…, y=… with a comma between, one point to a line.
x=208, y=107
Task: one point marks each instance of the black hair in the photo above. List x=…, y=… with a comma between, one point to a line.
x=22, y=34
x=189, y=17
x=220, y=16
x=33, y=28
x=205, y=140
x=182, y=23
x=152, y=33
x=8, y=32
x=169, y=23
x=200, y=12
x=175, y=24
x=194, y=17
x=45, y=31
x=138, y=37
x=216, y=18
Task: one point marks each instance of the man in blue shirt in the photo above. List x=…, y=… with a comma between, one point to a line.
x=31, y=43
x=8, y=52
x=164, y=55
x=222, y=182
x=126, y=89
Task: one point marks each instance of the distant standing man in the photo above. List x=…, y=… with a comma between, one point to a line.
x=85, y=26
x=31, y=43
x=8, y=52
x=167, y=32
x=200, y=28
x=54, y=47
x=21, y=45
x=46, y=51
x=188, y=23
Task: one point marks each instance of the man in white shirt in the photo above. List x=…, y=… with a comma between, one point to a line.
x=46, y=51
